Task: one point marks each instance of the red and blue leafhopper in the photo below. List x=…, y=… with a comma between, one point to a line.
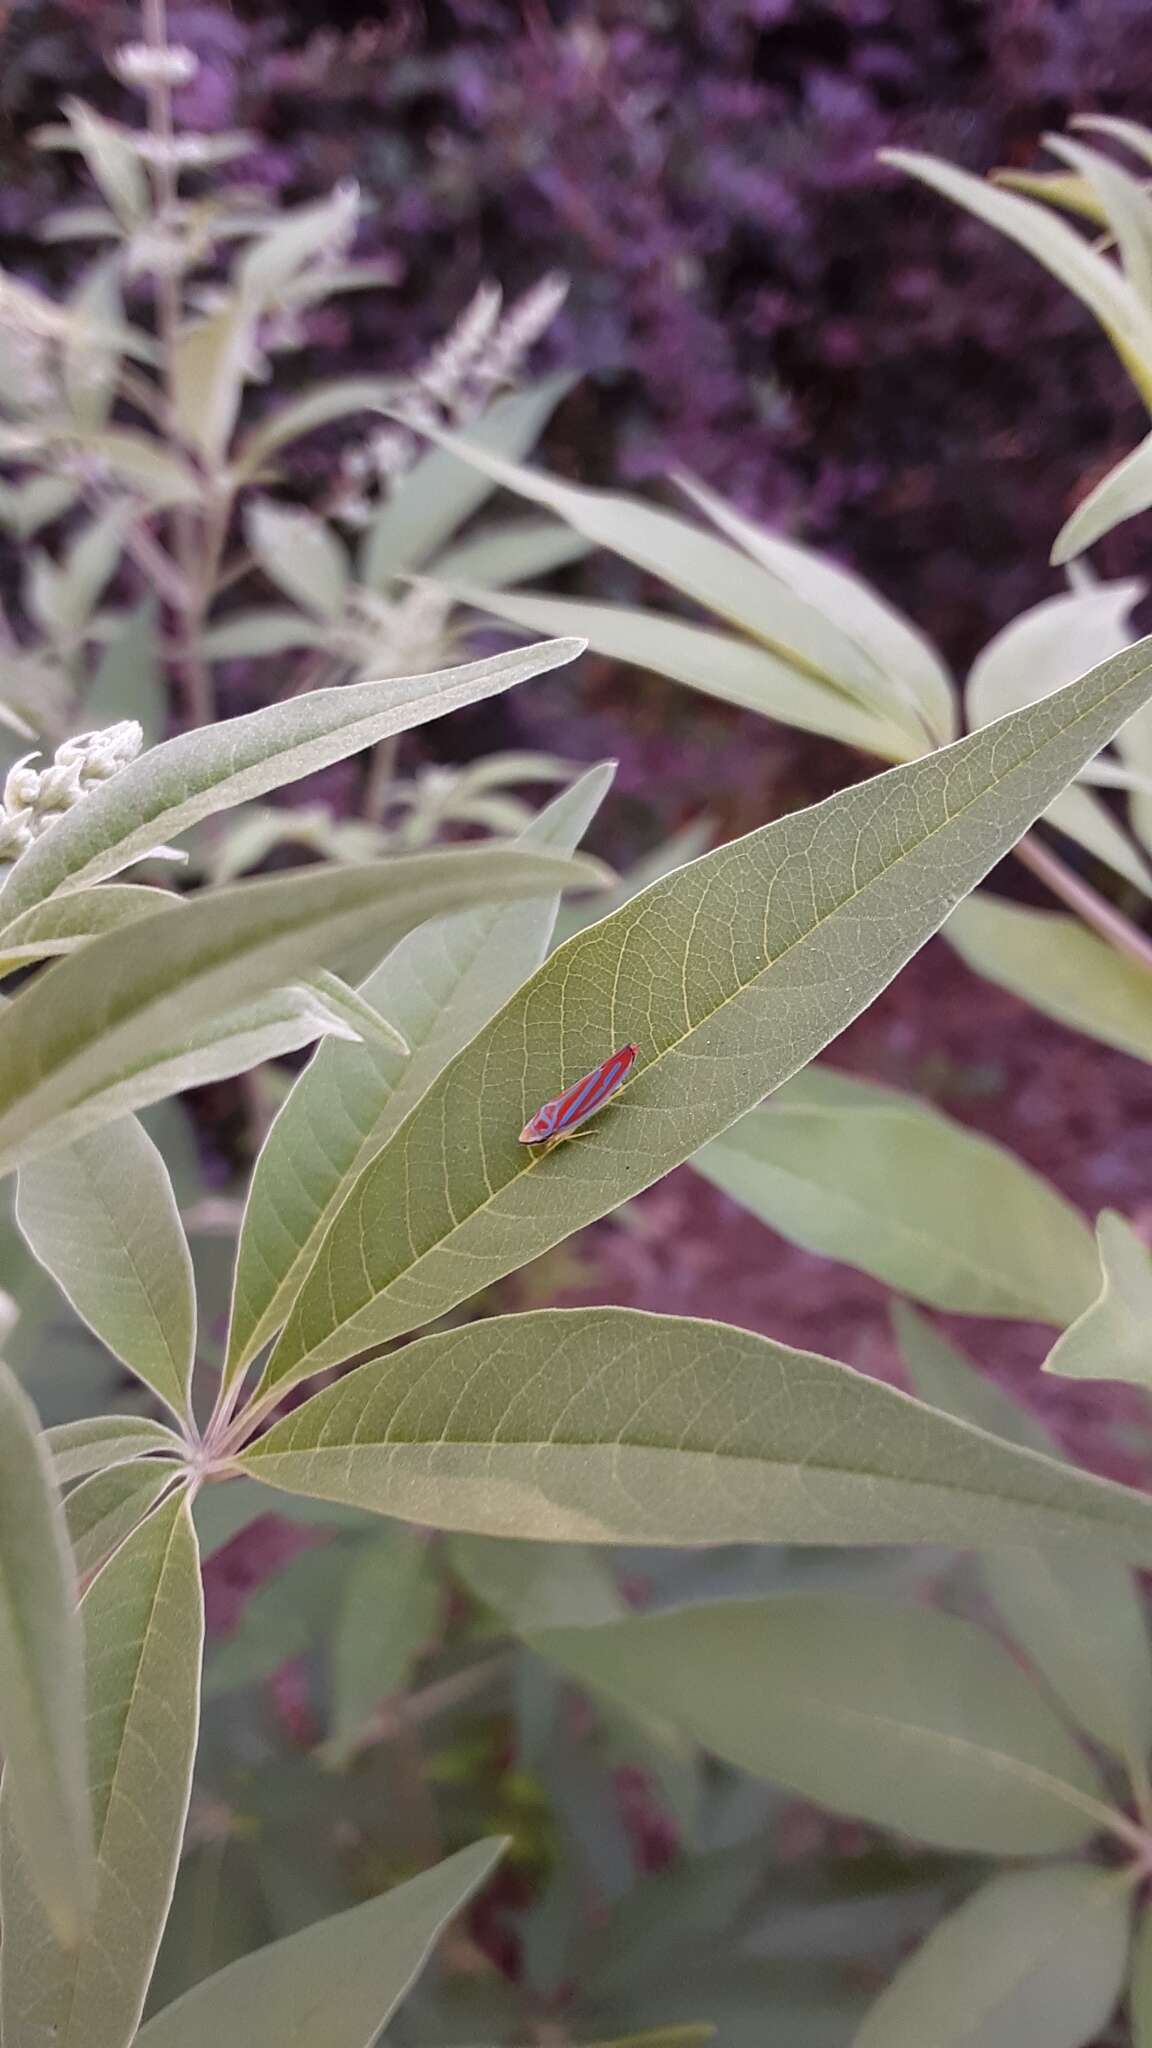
x=565, y=1113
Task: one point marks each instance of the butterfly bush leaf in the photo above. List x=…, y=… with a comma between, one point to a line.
x=740, y=672
x=300, y=554
x=514, y=551
x=1038, y=652
x=143, y=1626
x=1112, y=1340
x=65, y=923
x=173, y=786
x=335, y=1984
x=101, y=1215
x=613, y=1426
x=93, y=1023
x=730, y=975
x=901, y=1715
x=1078, y=1617
x=97, y=1442
x=438, y=986
x=1059, y=967
x=390, y=1600
x=41, y=1675
x=886, y=1184
x=104, y=1509
x=440, y=492
x=892, y=642
x=1122, y=494
x=1032, y=1959
x=717, y=576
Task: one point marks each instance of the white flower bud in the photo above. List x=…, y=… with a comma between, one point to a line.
x=15, y=836
x=22, y=785
x=140, y=65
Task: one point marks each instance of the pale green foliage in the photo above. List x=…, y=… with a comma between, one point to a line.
x=335, y=1984
x=909, y=1718
x=883, y=1181
x=1079, y=1618
x=817, y=912
x=41, y=1723
x=102, y=1217
x=143, y=1626
x=1034, y=1958
x=1112, y=1340
x=609, y=1425
x=1061, y=968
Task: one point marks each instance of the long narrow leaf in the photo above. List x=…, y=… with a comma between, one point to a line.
x=1060, y=967
x=174, y=785
x=100, y=1441
x=910, y=1718
x=613, y=1426
x=439, y=985
x=1034, y=1959
x=41, y=1673
x=1112, y=1339
x=336, y=1983
x=730, y=975
x=144, y=1624
x=1122, y=494
x=99, y=1017
x=102, y=1217
x=65, y=923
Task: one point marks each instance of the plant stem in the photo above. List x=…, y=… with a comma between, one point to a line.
x=1080, y=896
x=197, y=679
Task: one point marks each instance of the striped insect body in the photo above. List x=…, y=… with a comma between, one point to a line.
x=565, y=1113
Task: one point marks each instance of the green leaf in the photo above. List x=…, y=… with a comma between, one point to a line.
x=1079, y=1618
x=90, y=366
x=209, y=362
x=128, y=682
x=887, y=637
x=538, y=1585
x=1092, y=278
x=298, y=238
x=102, y=1217
x=886, y=1184
x=388, y=1608
x=1040, y=651
x=111, y=158
x=1126, y=205
x=286, y=1617
x=1059, y=967
x=316, y=408
x=1033, y=1959
x=439, y=493
x=1122, y=494
x=140, y=461
x=300, y=554
x=243, y=635
x=98, y=1442
x=906, y=1717
x=1140, y=1989
x=66, y=923
x=41, y=1673
x=674, y=852
x=97, y=1025
x=515, y=551
x=613, y=1426
x=104, y=1509
x=736, y=671
x=1112, y=1340
x=362, y=1019
x=174, y=786
x=335, y=1984
x=730, y=974
x=143, y=1619
x=720, y=578
x=439, y=985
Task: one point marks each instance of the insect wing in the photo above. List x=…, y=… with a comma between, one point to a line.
x=562, y=1115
